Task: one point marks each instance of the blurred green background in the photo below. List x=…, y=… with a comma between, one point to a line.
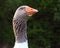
x=43, y=28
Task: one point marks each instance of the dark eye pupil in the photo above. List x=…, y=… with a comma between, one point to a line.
x=21, y=8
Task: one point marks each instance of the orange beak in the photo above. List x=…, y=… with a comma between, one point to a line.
x=30, y=11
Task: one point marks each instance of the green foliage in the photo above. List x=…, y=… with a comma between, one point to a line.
x=43, y=27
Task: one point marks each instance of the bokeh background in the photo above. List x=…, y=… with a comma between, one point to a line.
x=43, y=28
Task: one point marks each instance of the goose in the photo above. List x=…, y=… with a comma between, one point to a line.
x=20, y=19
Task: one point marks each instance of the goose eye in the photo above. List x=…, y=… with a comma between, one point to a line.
x=21, y=8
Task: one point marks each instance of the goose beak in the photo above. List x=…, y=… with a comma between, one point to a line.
x=30, y=11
